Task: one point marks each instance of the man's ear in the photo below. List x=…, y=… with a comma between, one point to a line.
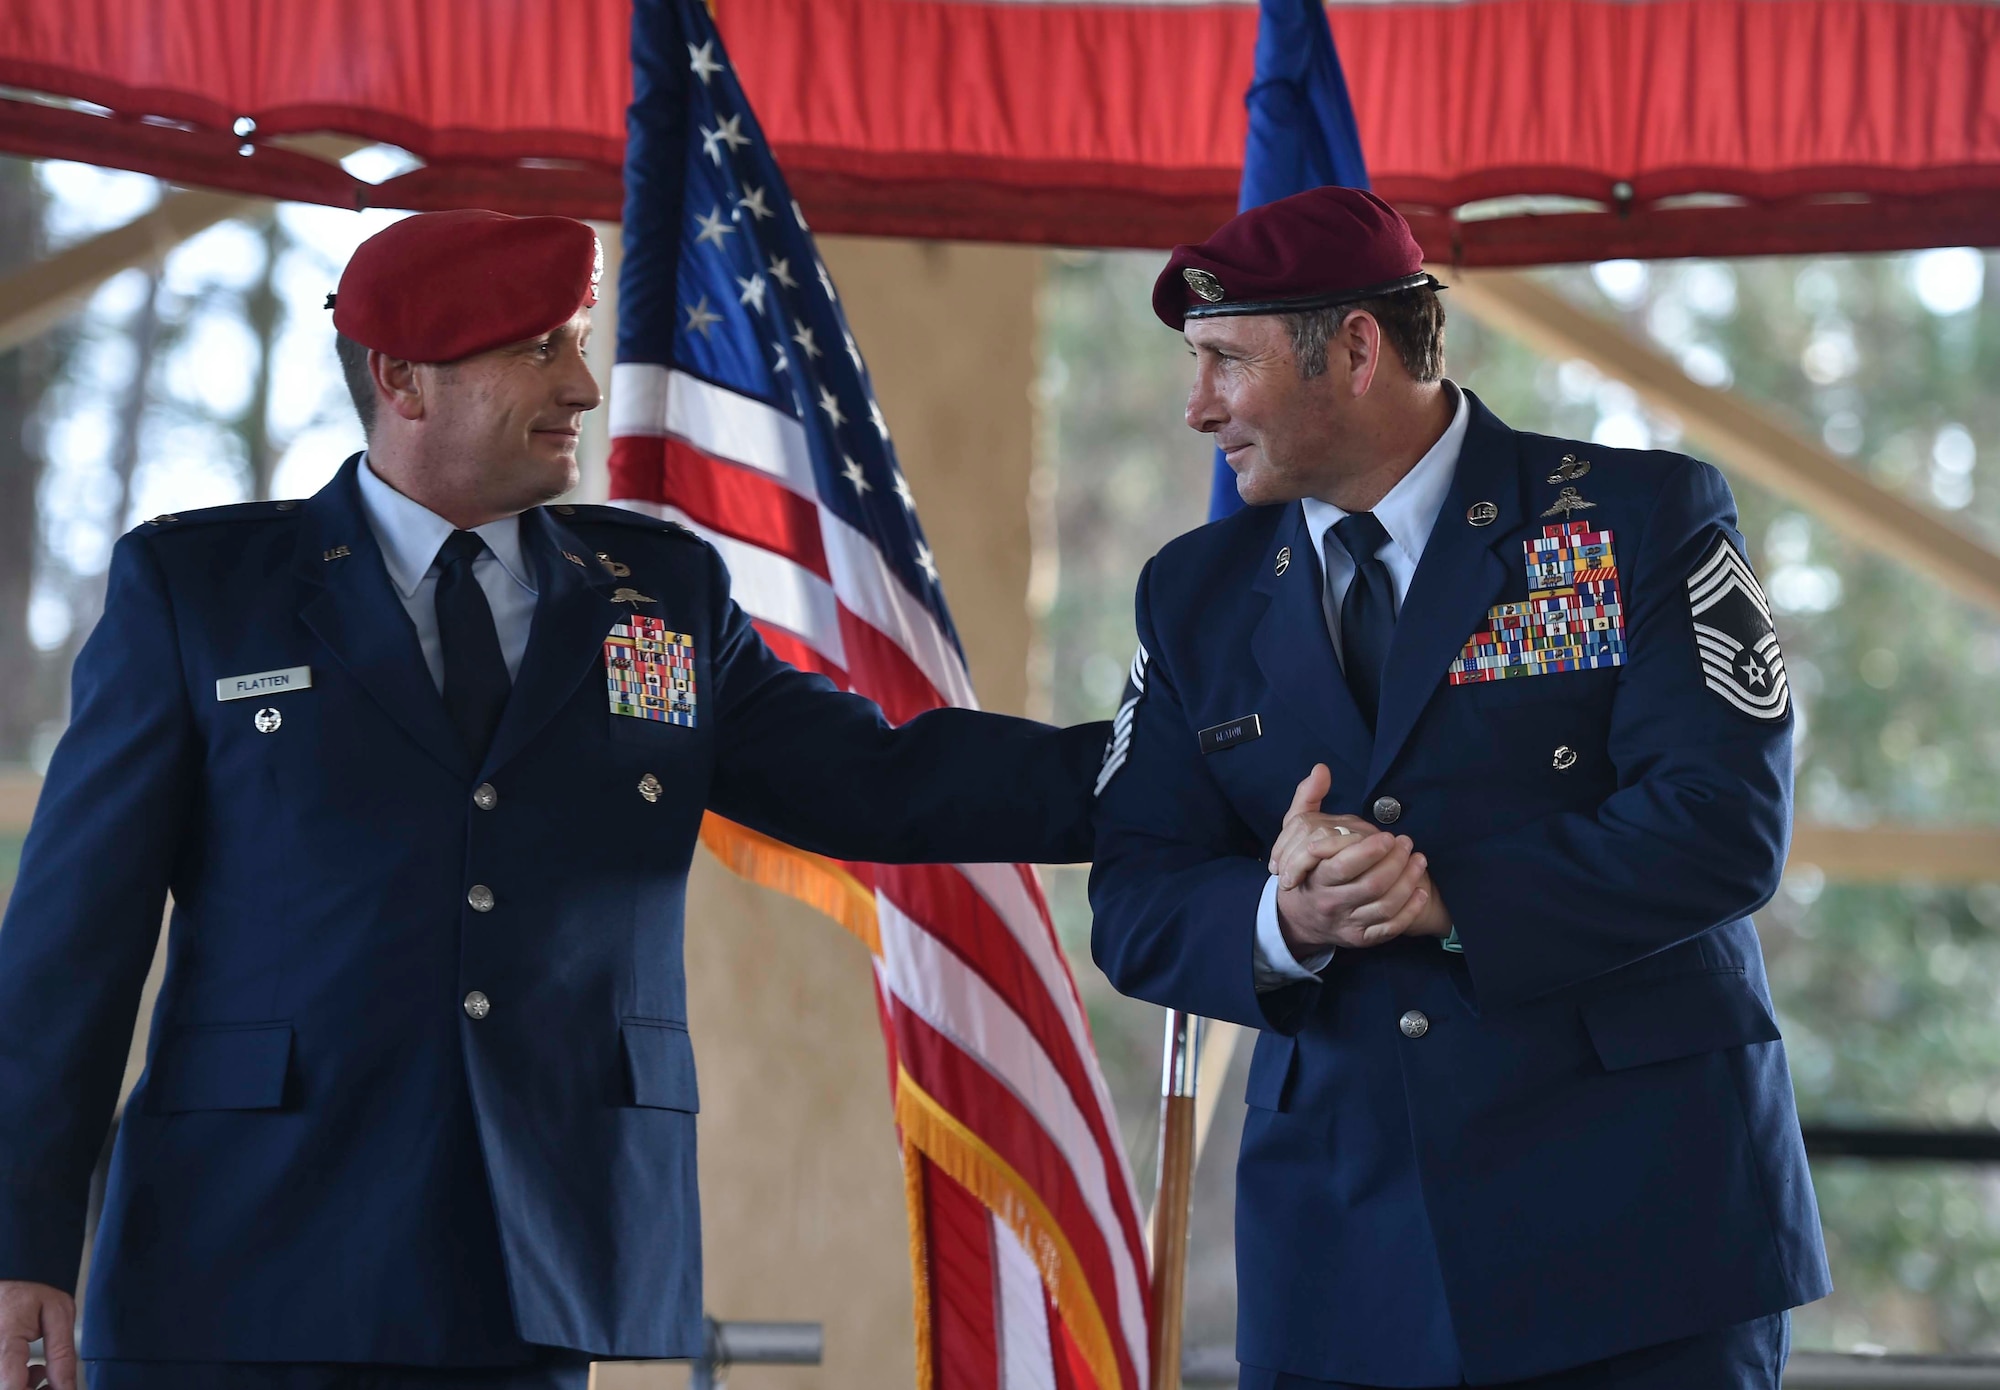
x=396, y=384
x=1359, y=343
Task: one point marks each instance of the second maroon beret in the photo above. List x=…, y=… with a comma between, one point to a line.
x=1313, y=250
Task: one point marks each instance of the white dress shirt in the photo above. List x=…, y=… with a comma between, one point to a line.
x=1408, y=514
x=410, y=536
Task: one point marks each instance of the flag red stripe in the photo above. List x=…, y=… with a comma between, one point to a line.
x=736, y=501
x=964, y=1303
x=946, y=905
x=789, y=647
x=997, y=1116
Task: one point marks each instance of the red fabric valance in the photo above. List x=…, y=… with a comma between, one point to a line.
x=1713, y=127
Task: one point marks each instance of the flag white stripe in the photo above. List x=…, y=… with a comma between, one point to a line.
x=769, y=586
x=875, y=595
x=648, y=399
x=1027, y=1361
x=935, y=985
x=1004, y=892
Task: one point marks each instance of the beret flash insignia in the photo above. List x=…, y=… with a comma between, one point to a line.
x=1120, y=746
x=1203, y=284
x=1734, y=637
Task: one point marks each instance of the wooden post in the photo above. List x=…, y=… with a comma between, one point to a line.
x=1173, y=1194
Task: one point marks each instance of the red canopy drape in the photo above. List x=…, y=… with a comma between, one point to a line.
x=1713, y=127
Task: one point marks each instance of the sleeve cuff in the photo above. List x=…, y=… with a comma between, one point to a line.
x=1275, y=967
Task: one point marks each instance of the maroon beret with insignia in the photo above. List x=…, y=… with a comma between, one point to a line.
x=444, y=285
x=1313, y=250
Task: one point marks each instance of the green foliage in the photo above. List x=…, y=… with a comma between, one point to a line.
x=1889, y=995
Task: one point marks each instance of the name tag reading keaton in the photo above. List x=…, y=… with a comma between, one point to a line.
x=1222, y=736
x=264, y=683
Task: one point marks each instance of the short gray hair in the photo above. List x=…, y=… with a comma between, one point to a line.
x=1412, y=322
x=360, y=385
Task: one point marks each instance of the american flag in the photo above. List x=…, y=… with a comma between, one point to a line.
x=741, y=407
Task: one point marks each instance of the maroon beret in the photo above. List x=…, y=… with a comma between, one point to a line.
x=443, y=285
x=1313, y=250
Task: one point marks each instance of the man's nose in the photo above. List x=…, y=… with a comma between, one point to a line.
x=580, y=390
x=1204, y=407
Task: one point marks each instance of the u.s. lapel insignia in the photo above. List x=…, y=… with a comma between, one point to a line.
x=616, y=570
x=1284, y=560
x=1573, y=619
x=631, y=596
x=1570, y=469
x=649, y=671
x=573, y=558
x=338, y=552
x=1734, y=638
x=1567, y=502
x=1482, y=514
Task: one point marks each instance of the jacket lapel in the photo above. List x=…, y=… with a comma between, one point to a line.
x=352, y=607
x=1293, y=648
x=1462, y=573
x=573, y=615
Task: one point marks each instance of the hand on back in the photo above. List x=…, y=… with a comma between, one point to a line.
x=1343, y=883
x=29, y=1311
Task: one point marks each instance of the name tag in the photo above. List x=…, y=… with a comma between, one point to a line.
x=264, y=683
x=1226, y=736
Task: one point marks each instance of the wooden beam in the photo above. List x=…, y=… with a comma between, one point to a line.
x=36, y=299
x=1944, y=854
x=1747, y=439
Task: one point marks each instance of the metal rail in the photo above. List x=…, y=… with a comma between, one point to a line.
x=1936, y=1145
x=1809, y=1370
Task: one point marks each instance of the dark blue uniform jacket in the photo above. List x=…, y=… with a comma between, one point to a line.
x=1593, y=1147
x=328, y=1159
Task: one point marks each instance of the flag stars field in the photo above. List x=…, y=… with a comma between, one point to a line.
x=713, y=227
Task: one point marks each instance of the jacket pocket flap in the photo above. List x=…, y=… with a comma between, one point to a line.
x=659, y=1060
x=231, y=1068
x=1678, y=1016
x=1270, y=1070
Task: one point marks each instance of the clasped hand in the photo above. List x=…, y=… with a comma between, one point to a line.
x=1343, y=883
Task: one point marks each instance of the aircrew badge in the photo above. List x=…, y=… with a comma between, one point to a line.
x=1573, y=619
x=1734, y=638
x=649, y=671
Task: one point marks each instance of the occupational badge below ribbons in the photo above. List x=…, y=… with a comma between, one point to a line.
x=1573, y=619
x=649, y=671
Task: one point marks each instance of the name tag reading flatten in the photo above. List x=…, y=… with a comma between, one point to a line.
x=264, y=683
x=1221, y=737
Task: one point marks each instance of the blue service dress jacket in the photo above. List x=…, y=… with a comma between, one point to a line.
x=336, y=1153
x=1589, y=1144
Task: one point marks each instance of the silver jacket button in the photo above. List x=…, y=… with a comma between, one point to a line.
x=477, y=1005
x=1414, y=1024
x=1388, y=810
x=485, y=797
x=481, y=898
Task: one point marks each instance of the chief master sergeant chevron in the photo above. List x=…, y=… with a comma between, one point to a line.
x=1519, y=1113
x=422, y=762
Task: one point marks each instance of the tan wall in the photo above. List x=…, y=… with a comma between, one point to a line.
x=802, y=1195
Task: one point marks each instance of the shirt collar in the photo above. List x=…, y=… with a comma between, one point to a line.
x=410, y=535
x=1411, y=509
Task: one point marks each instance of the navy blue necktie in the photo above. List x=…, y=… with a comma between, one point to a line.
x=476, y=682
x=1368, y=612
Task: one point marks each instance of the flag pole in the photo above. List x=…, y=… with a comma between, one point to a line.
x=1174, y=1193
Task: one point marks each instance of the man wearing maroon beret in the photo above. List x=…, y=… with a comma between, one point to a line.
x=1518, y=1112
x=422, y=760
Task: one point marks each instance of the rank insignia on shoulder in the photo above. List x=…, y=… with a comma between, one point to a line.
x=1574, y=619
x=649, y=671
x=1120, y=745
x=1734, y=637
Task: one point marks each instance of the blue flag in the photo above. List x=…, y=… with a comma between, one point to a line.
x=1302, y=135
